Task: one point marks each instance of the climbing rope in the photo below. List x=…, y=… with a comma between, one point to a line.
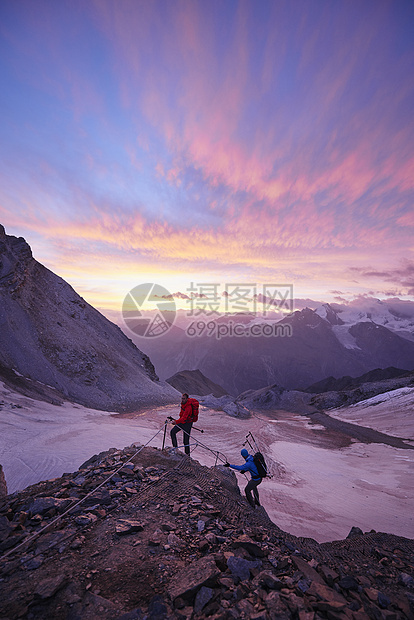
x=58, y=518
x=199, y=443
x=217, y=454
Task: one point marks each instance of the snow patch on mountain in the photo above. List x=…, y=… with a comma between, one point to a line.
x=395, y=314
x=389, y=412
x=389, y=396
x=346, y=339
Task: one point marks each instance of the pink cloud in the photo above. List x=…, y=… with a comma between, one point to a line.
x=407, y=219
x=317, y=176
x=203, y=124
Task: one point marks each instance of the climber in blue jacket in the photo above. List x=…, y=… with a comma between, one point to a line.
x=256, y=479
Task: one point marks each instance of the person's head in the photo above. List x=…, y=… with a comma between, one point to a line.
x=184, y=398
x=244, y=453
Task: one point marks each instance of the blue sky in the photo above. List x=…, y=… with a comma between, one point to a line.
x=184, y=141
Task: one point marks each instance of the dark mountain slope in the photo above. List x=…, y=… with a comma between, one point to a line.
x=194, y=382
x=383, y=347
x=49, y=334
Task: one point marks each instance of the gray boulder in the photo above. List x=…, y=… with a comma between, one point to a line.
x=187, y=582
x=227, y=404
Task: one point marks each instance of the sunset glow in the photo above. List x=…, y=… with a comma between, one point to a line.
x=185, y=141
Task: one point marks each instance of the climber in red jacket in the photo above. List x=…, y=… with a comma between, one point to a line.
x=188, y=415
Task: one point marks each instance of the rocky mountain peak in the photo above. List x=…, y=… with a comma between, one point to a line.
x=15, y=258
x=305, y=318
x=328, y=313
x=51, y=335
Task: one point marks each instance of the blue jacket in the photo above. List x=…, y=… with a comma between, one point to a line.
x=248, y=466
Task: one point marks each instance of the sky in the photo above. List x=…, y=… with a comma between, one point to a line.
x=185, y=141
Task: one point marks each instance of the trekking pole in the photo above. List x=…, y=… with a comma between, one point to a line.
x=256, y=447
x=170, y=419
x=253, y=443
x=165, y=432
x=218, y=457
x=248, y=442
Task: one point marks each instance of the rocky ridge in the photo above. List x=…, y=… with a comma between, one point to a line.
x=344, y=398
x=164, y=537
x=277, y=397
x=330, y=384
x=194, y=382
x=226, y=403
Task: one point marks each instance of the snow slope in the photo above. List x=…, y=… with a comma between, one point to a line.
x=391, y=413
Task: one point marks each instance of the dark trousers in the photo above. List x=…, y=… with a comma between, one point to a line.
x=252, y=486
x=186, y=428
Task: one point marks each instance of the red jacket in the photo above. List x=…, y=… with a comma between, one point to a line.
x=186, y=413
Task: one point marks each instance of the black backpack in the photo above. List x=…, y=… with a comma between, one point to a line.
x=260, y=463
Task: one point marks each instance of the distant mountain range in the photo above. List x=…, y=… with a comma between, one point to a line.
x=395, y=314
x=315, y=344
x=347, y=383
x=54, y=345
x=274, y=397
